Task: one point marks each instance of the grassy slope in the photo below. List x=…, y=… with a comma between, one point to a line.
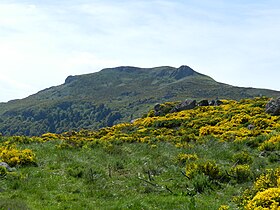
x=150, y=164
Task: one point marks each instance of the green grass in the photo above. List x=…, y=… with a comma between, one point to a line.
x=121, y=175
x=126, y=176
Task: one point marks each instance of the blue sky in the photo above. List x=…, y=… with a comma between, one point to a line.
x=42, y=42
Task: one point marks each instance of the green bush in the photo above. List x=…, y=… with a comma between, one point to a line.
x=201, y=183
x=241, y=173
x=242, y=158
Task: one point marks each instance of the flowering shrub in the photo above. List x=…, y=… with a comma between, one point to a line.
x=227, y=122
x=272, y=144
x=267, y=180
x=14, y=156
x=182, y=158
x=265, y=193
x=224, y=207
x=268, y=199
x=242, y=158
x=210, y=169
x=241, y=173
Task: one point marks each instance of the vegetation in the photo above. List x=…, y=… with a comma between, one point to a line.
x=214, y=157
x=109, y=97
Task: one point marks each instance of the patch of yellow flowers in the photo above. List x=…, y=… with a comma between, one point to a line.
x=265, y=193
x=14, y=156
x=232, y=121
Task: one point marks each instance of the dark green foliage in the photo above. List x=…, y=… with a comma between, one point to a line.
x=57, y=118
x=200, y=183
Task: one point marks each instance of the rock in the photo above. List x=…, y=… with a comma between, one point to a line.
x=203, y=103
x=3, y=164
x=215, y=103
x=186, y=105
x=212, y=103
x=218, y=103
x=157, y=107
x=250, y=127
x=163, y=109
x=273, y=107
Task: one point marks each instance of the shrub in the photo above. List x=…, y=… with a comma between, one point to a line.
x=182, y=158
x=201, y=183
x=268, y=199
x=267, y=180
x=265, y=193
x=224, y=207
x=271, y=145
x=209, y=169
x=241, y=173
x=242, y=158
x=14, y=157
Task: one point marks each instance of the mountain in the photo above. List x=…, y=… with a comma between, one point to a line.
x=110, y=96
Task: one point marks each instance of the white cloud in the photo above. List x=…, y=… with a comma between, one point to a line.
x=42, y=42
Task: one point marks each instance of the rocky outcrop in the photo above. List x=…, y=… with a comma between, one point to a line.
x=163, y=109
x=215, y=103
x=185, y=105
x=273, y=107
x=203, y=103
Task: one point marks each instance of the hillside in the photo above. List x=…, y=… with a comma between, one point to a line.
x=111, y=96
x=211, y=157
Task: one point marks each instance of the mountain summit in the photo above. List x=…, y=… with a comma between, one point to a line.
x=110, y=96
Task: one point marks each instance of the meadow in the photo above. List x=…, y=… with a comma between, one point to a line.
x=212, y=157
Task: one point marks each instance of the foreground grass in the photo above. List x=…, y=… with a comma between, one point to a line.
x=127, y=176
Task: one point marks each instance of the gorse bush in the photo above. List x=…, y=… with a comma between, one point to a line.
x=265, y=193
x=182, y=158
x=14, y=156
x=268, y=199
x=231, y=122
x=241, y=173
x=242, y=158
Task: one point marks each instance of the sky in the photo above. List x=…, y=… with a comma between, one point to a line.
x=42, y=42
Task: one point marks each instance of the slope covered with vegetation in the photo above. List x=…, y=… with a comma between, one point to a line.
x=212, y=157
x=111, y=96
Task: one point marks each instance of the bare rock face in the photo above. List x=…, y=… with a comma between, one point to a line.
x=273, y=107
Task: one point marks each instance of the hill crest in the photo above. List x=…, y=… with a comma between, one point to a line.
x=110, y=96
